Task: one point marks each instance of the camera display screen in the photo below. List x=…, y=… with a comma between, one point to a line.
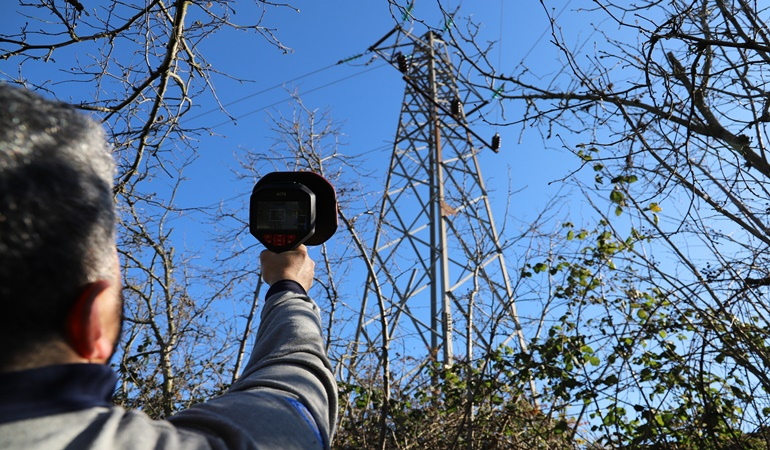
x=282, y=215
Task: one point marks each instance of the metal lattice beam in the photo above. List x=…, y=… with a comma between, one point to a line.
x=441, y=280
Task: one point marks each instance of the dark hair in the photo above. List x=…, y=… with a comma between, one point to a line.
x=57, y=214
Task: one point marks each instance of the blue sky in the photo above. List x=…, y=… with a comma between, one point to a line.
x=365, y=99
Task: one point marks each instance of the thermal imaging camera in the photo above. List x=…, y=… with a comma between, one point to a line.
x=292, y=208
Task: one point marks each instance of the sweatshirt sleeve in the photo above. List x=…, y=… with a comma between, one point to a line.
x=289, y=356
x=288, y=375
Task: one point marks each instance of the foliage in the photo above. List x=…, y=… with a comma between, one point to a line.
x=657, y=332
x=641, y=368
x=470, y=405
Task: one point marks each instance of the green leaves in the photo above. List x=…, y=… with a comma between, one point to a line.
x=625, y=179
x=434, y=413
x=619, y=198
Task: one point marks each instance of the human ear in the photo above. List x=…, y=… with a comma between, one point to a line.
x=85, y=329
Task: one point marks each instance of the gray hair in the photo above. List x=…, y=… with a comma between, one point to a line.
x=57, y=213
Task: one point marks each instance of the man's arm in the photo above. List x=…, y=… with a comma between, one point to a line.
x=288, y=362
x=289, y=353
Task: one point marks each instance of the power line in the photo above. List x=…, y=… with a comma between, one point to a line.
x=279, y=85
x=500, y=55
x=547, y=28
x=263, y=91
x=254, y=111
x=322, y=69
x=531, y=48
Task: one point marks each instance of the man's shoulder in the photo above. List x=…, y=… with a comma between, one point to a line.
x=98, y=428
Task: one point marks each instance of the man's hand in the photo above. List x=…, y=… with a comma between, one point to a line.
x=294, y=265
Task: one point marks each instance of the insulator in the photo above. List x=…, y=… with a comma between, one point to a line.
x=433, y=35
x=496, y=142
x=456, y=107
x=401, y=60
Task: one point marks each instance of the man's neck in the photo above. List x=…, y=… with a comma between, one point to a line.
x=50, y=353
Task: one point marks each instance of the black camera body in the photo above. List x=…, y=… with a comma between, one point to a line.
x=288, y=209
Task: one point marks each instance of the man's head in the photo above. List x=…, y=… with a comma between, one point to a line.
x=59, y=277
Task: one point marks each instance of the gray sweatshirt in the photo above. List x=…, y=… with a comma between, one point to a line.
x=286, y=398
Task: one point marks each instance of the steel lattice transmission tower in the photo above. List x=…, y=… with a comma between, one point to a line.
x=440, y=286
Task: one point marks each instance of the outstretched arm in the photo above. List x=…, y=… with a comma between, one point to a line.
x=288, y=374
